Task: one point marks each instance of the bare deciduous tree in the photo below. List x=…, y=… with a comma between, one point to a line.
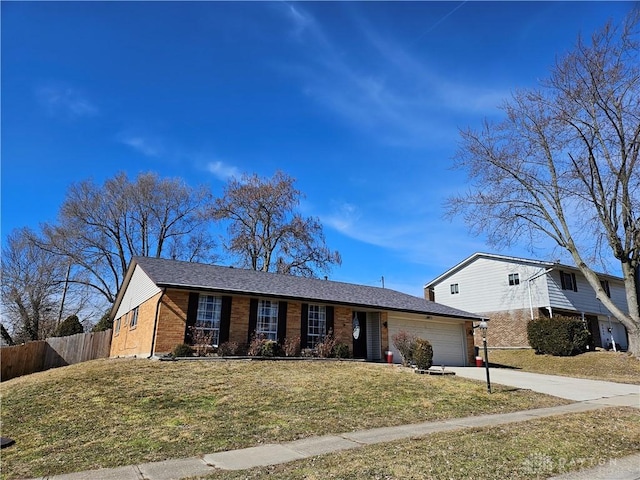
x=264, y=230
x=564, y=164
x=31, y=285
x=101, y=227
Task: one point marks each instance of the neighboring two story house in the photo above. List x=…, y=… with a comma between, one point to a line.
x=511, y=291
x=162, y=303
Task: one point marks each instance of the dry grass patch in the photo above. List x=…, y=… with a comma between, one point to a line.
x=600, y=365
x=536, y=449
x=109, y=413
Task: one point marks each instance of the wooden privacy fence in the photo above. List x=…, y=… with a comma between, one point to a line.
x=53, y=352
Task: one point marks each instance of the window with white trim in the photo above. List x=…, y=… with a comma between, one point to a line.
x=317, y=325
x=117, y=325
x=208, y=319
x=454, y=288
x=267, y=322
x=514, y=279
x=134, y=319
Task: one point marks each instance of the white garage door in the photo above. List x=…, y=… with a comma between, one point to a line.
x=447, y=339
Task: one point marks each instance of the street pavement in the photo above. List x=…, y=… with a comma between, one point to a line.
x=588, y=395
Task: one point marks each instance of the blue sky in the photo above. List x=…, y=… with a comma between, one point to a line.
x=361, y=102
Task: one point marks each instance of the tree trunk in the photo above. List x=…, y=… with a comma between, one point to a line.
x=633, y=331
x=634, y=341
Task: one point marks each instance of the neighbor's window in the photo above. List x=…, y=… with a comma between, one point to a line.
x=317, y=327
x=134, y=318
x=454, y=288
x=514, y=279
x=117, y=325
x=568, y=281
x=605, y=287
x=208, y=319
x=267, y=324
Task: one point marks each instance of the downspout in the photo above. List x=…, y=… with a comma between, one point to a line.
x=155, y=323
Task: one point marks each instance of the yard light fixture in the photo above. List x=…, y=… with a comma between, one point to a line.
x=483, y=326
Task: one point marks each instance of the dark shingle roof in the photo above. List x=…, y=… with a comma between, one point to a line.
x=199, y=276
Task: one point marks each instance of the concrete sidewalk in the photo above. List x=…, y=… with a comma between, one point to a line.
x=589, y=395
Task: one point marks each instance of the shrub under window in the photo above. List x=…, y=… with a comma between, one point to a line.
x=559, y=336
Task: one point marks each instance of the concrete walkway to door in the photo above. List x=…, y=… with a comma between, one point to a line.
x=577, y=389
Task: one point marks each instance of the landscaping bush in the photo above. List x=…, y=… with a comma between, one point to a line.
x=423, y=354
x=405, y=344
x=201, y=341
x=341, y=350
x=270, y=348
x=229, y=349
x=292, y=347
x=182, y=350
x=255, y=345
x=324, y=348
x=263, y=347
x=559, y=336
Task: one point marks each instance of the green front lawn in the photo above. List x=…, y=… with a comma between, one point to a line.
x=110, y=413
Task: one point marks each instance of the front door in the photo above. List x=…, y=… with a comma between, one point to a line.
x=359, y=323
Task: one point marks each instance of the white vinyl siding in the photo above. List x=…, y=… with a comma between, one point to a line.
x=584, y=300
x=141, y=288
x=484, y=287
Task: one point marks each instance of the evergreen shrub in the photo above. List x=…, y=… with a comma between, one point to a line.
x=558, y=336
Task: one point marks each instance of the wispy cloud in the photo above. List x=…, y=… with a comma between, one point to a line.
x=417, y=238
x=304, y=26
x=147, y=146
x=223, y=171
x=66, y=101
x=397, y=96
x=343, y=218
x=154, y=146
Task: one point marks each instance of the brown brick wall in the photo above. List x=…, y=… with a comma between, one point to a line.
x=294, y=315
x=506, y=329
x=384, y=332
x=137, y=340
x=239, y=329
x=172, y=321
x=342, y=326
x=471, y=349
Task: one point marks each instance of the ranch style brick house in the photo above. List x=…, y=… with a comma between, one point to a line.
x=162, y=302
x=512, y=291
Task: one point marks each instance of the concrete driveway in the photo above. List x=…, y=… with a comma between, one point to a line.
x=576, y=389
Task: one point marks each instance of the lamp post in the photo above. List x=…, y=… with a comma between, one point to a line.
x=483, y=330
